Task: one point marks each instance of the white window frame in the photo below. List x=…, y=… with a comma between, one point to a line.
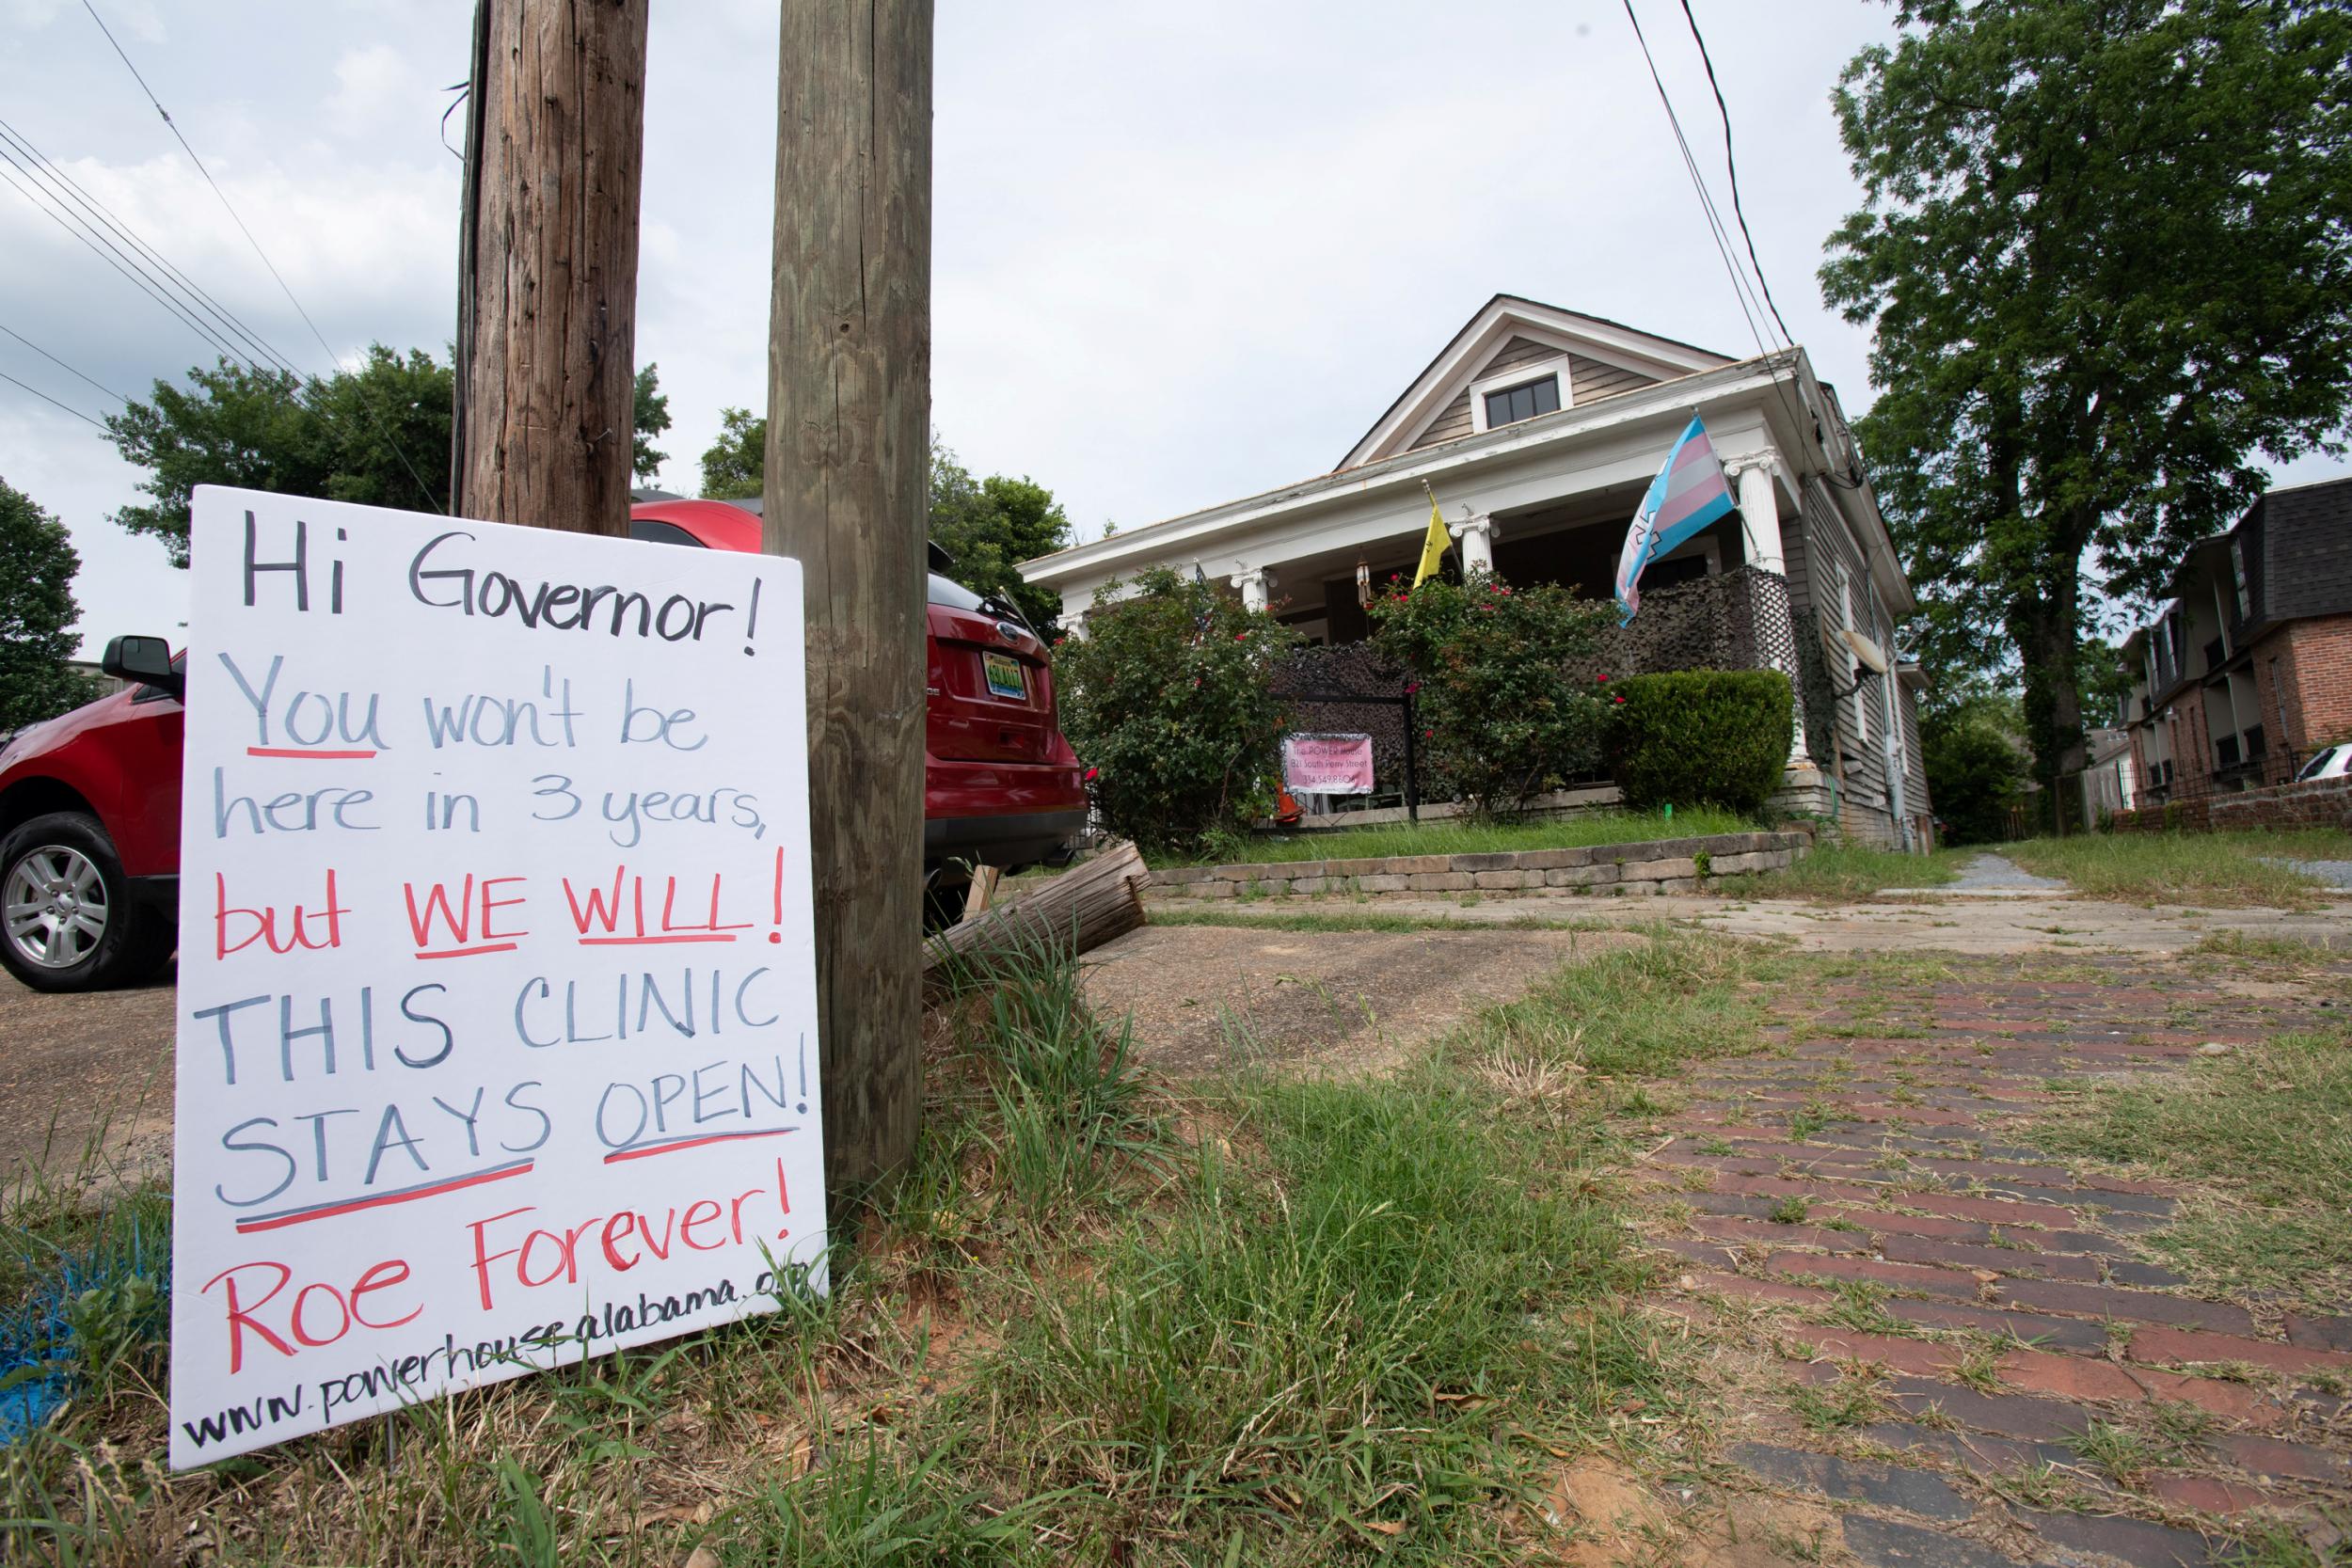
x=1842, y=596
x=1534, y=371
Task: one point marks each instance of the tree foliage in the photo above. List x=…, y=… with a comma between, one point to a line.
x=1169, y=695
x=651, y=416
x=1504, y=715
x=379, y=435
x=2107, y=251
x=37, y=615
x=1976, y=767
x=736, y=465
x=988, y=526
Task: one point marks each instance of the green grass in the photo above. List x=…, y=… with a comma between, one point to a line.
x=2268, y=1127
x=1575, y=830
x=1262, y=1321
x=1844, y=873
x=2209, y=870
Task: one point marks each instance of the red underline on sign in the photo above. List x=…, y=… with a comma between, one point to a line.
x=654, y=942
x=463, y=952
x=643, y=1150
x=378, y=1200
x=301, y=751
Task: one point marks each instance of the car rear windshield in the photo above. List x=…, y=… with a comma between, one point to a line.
x=2317, y=766
x=955, y=596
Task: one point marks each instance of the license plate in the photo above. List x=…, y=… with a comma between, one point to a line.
x=1006, y=678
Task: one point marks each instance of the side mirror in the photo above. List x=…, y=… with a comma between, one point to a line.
x=146, y=662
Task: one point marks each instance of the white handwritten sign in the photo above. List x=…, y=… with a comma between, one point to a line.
x=497, y=1026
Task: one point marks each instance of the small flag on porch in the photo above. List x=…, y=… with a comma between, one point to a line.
x=1433, y=545
x=1688, y=495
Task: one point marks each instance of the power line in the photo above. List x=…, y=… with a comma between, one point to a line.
x=61, y=364
x=47, y=168
x=1796, y=416
x=53, y=403
x=1732, y=168
x=113, y=256
x=424, y=490
x=1707, y=201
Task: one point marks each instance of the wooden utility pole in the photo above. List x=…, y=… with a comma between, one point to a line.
x=547, y=313
x=848, y=494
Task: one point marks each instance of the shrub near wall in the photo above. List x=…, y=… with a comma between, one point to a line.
x=1504, y=718
x=1169, y=693
x=1717, y=737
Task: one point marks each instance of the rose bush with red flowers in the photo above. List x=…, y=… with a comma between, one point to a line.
x=1169, y=693
x=1507, y=720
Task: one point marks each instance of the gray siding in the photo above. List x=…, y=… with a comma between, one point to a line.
x=1915, y=762
x=1821, y=538
x=1447, y=426
x=1592, y=380
x=1454, y=423
x=1518, y=352
x=1588, y=380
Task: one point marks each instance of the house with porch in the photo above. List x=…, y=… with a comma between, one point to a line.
x=1537, y=429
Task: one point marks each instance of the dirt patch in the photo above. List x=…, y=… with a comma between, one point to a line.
x=1206, y=997
x=85, y=1080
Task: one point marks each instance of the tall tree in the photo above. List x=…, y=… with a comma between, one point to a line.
x=734, y=465
x=652, y=419
x=377, y=435
x=37, y=615
x=988, y=526
x=2107, y=251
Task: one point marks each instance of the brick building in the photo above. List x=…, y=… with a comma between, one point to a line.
x=2248, y=669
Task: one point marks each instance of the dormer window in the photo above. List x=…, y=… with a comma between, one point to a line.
x=1510, y=404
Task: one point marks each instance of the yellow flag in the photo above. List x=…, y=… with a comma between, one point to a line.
x=1433, y=548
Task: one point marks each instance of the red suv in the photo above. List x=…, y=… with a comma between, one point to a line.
x=89, y=802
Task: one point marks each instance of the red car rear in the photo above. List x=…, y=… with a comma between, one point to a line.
x=89, y=802
x=1000, y=786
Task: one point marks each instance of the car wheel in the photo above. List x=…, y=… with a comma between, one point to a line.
x=68, y=921
x=942, y=903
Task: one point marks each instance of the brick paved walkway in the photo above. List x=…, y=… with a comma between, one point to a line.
x=1948, y=1334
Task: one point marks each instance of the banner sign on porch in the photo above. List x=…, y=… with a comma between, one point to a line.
x=1326, y=763
x=497, y=1018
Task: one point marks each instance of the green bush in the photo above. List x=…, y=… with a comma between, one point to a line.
x=1716, y=737
x=1167, y=693
x=1976, y=773
x=1502, y=716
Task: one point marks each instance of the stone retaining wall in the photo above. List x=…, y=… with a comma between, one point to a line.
x=1660, y=865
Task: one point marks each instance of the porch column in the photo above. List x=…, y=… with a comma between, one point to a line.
x=1477, y=534
x=1754, y=473
x=1759, y=506
x=1253, y=582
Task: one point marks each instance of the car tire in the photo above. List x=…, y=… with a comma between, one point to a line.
x=942, y=903
x=68, y=918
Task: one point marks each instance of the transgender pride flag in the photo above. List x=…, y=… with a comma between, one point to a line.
x=1688, y=495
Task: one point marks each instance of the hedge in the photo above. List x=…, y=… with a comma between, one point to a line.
x=1714, y=737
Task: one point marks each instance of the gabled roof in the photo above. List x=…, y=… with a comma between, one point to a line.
x=1493, y=325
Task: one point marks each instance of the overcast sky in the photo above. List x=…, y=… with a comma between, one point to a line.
x=1180, y=254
